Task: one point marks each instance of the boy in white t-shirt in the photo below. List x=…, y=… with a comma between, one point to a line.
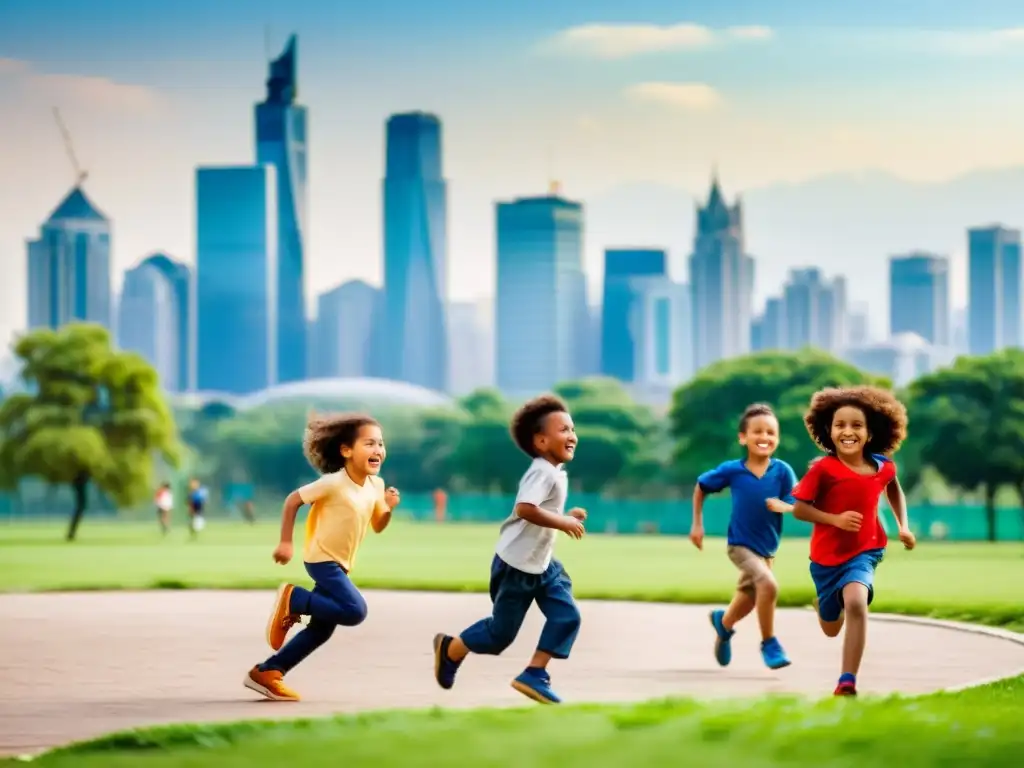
x=523, y=569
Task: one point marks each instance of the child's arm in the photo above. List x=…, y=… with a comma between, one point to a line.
x=807, y=490
x=711, y=481
x=531, y=513
x=898, y=504
x=697, y=523
x=382, y=511
x=784, y=503
x=307, y=494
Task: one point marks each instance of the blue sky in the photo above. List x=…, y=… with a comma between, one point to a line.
x=772, y=91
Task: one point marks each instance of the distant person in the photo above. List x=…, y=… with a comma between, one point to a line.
x=164, y=501
x=348, y=498
x=760, y=486
x=248, y=511
x=859, y=428
x=523, y=569
x=196, y=507
x=440, y=505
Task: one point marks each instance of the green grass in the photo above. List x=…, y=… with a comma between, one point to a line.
x=969, y=582
x=979, y=727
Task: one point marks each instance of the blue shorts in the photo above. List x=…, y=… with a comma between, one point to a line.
x=829, y=581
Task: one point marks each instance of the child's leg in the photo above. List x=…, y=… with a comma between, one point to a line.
x=512, y=594
x=333, y=602
x=855, y=601
x=556, y=602
x=828, y=604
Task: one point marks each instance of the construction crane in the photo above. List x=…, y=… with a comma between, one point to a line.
x=80, y=175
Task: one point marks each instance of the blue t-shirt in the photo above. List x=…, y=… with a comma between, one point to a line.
x=752, y=524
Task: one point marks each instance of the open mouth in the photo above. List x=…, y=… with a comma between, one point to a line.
x=848, y=442
x=374, y=461
x=763, y=446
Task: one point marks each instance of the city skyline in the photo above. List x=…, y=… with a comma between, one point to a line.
x=189, y=95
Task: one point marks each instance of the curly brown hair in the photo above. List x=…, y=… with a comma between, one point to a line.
x=528, y=421
x=885, y=415
x=752, y=411
x=327, y=433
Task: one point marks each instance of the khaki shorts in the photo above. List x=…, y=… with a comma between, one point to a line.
x=753, y=568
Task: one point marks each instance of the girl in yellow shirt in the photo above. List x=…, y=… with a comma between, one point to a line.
x=348, y=498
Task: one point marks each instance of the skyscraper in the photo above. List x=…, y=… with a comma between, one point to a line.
x=721, y=282
x=994, y=289
x=236, y=278
x=470, y=346
x=149, y=323
x=281, y=142
x=69, y=266
x=660, y=319
x=814, y=311
x=617, y=342
x=414, y=344
x=343, y=330
x=180, y=278
x=540, y=291
x=919, y=297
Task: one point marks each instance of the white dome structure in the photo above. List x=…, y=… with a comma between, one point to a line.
x=380, y=391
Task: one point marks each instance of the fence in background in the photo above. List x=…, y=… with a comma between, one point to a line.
x=622, y=516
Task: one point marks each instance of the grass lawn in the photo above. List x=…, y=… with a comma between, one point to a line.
x=975, y=728
x=970, y=582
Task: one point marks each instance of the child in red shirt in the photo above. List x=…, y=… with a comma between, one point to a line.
x=859, y=428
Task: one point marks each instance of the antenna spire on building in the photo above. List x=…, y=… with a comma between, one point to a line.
x=80, y=175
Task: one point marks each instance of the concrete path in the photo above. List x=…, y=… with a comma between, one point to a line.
x=76, y=666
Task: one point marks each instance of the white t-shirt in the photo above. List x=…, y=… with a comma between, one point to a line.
x=524, y=545
x=164, y=500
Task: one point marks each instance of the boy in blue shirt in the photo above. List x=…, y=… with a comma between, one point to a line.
x=761, y=488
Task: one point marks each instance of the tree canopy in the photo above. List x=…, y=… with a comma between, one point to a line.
x=90, y=415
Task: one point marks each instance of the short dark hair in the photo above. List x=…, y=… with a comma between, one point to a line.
x=754, y=410
x=327, y=433
x=529, y=421
x=886, y=417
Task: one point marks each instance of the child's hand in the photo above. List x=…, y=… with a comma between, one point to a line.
x=697, y=536
x=849, y=521
x=578, y=512
x=909, y=539
x=283, y=553
x=392, y=497
x=778, y=506
x=573, y=526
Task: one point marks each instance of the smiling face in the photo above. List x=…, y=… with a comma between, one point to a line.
x=366, y=453
x=850, y=431
x=761, y=436
x=557, y=439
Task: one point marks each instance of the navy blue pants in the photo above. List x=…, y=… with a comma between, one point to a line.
x=512, y=593
x=334, y=601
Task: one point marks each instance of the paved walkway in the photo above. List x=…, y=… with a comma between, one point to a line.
x=76, y=666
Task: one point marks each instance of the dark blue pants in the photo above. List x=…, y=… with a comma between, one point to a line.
x=334, y=601
x=512, y=593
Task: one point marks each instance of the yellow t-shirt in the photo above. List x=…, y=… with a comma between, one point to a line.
x=340, y=514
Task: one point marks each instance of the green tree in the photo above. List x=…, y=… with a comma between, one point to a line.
x=91, y=415
x=968, y=421
x=705, y=412
x=614, y=433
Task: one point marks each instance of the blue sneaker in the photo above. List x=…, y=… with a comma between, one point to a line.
x=723, y=648
x=773, y=655
x=536, y=684
x=444, y=667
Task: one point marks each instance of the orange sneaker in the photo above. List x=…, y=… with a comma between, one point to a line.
x=269, y=684
x=281, y=619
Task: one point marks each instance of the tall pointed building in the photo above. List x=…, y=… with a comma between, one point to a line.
x=69, y=266
x=281, y=142
x=721, y=281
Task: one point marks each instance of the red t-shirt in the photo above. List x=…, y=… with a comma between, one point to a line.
x=832, y=487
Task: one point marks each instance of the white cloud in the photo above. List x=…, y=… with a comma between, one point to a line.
x=753, y=32
x=617, y=41
x=695, y=97
x=60, y=88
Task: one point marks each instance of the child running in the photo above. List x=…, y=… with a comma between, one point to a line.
x=761, y=488
x=859, y=428
x=523, y=569
x=348, y=451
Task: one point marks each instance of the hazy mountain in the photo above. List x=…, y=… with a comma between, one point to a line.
x=844, y=223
